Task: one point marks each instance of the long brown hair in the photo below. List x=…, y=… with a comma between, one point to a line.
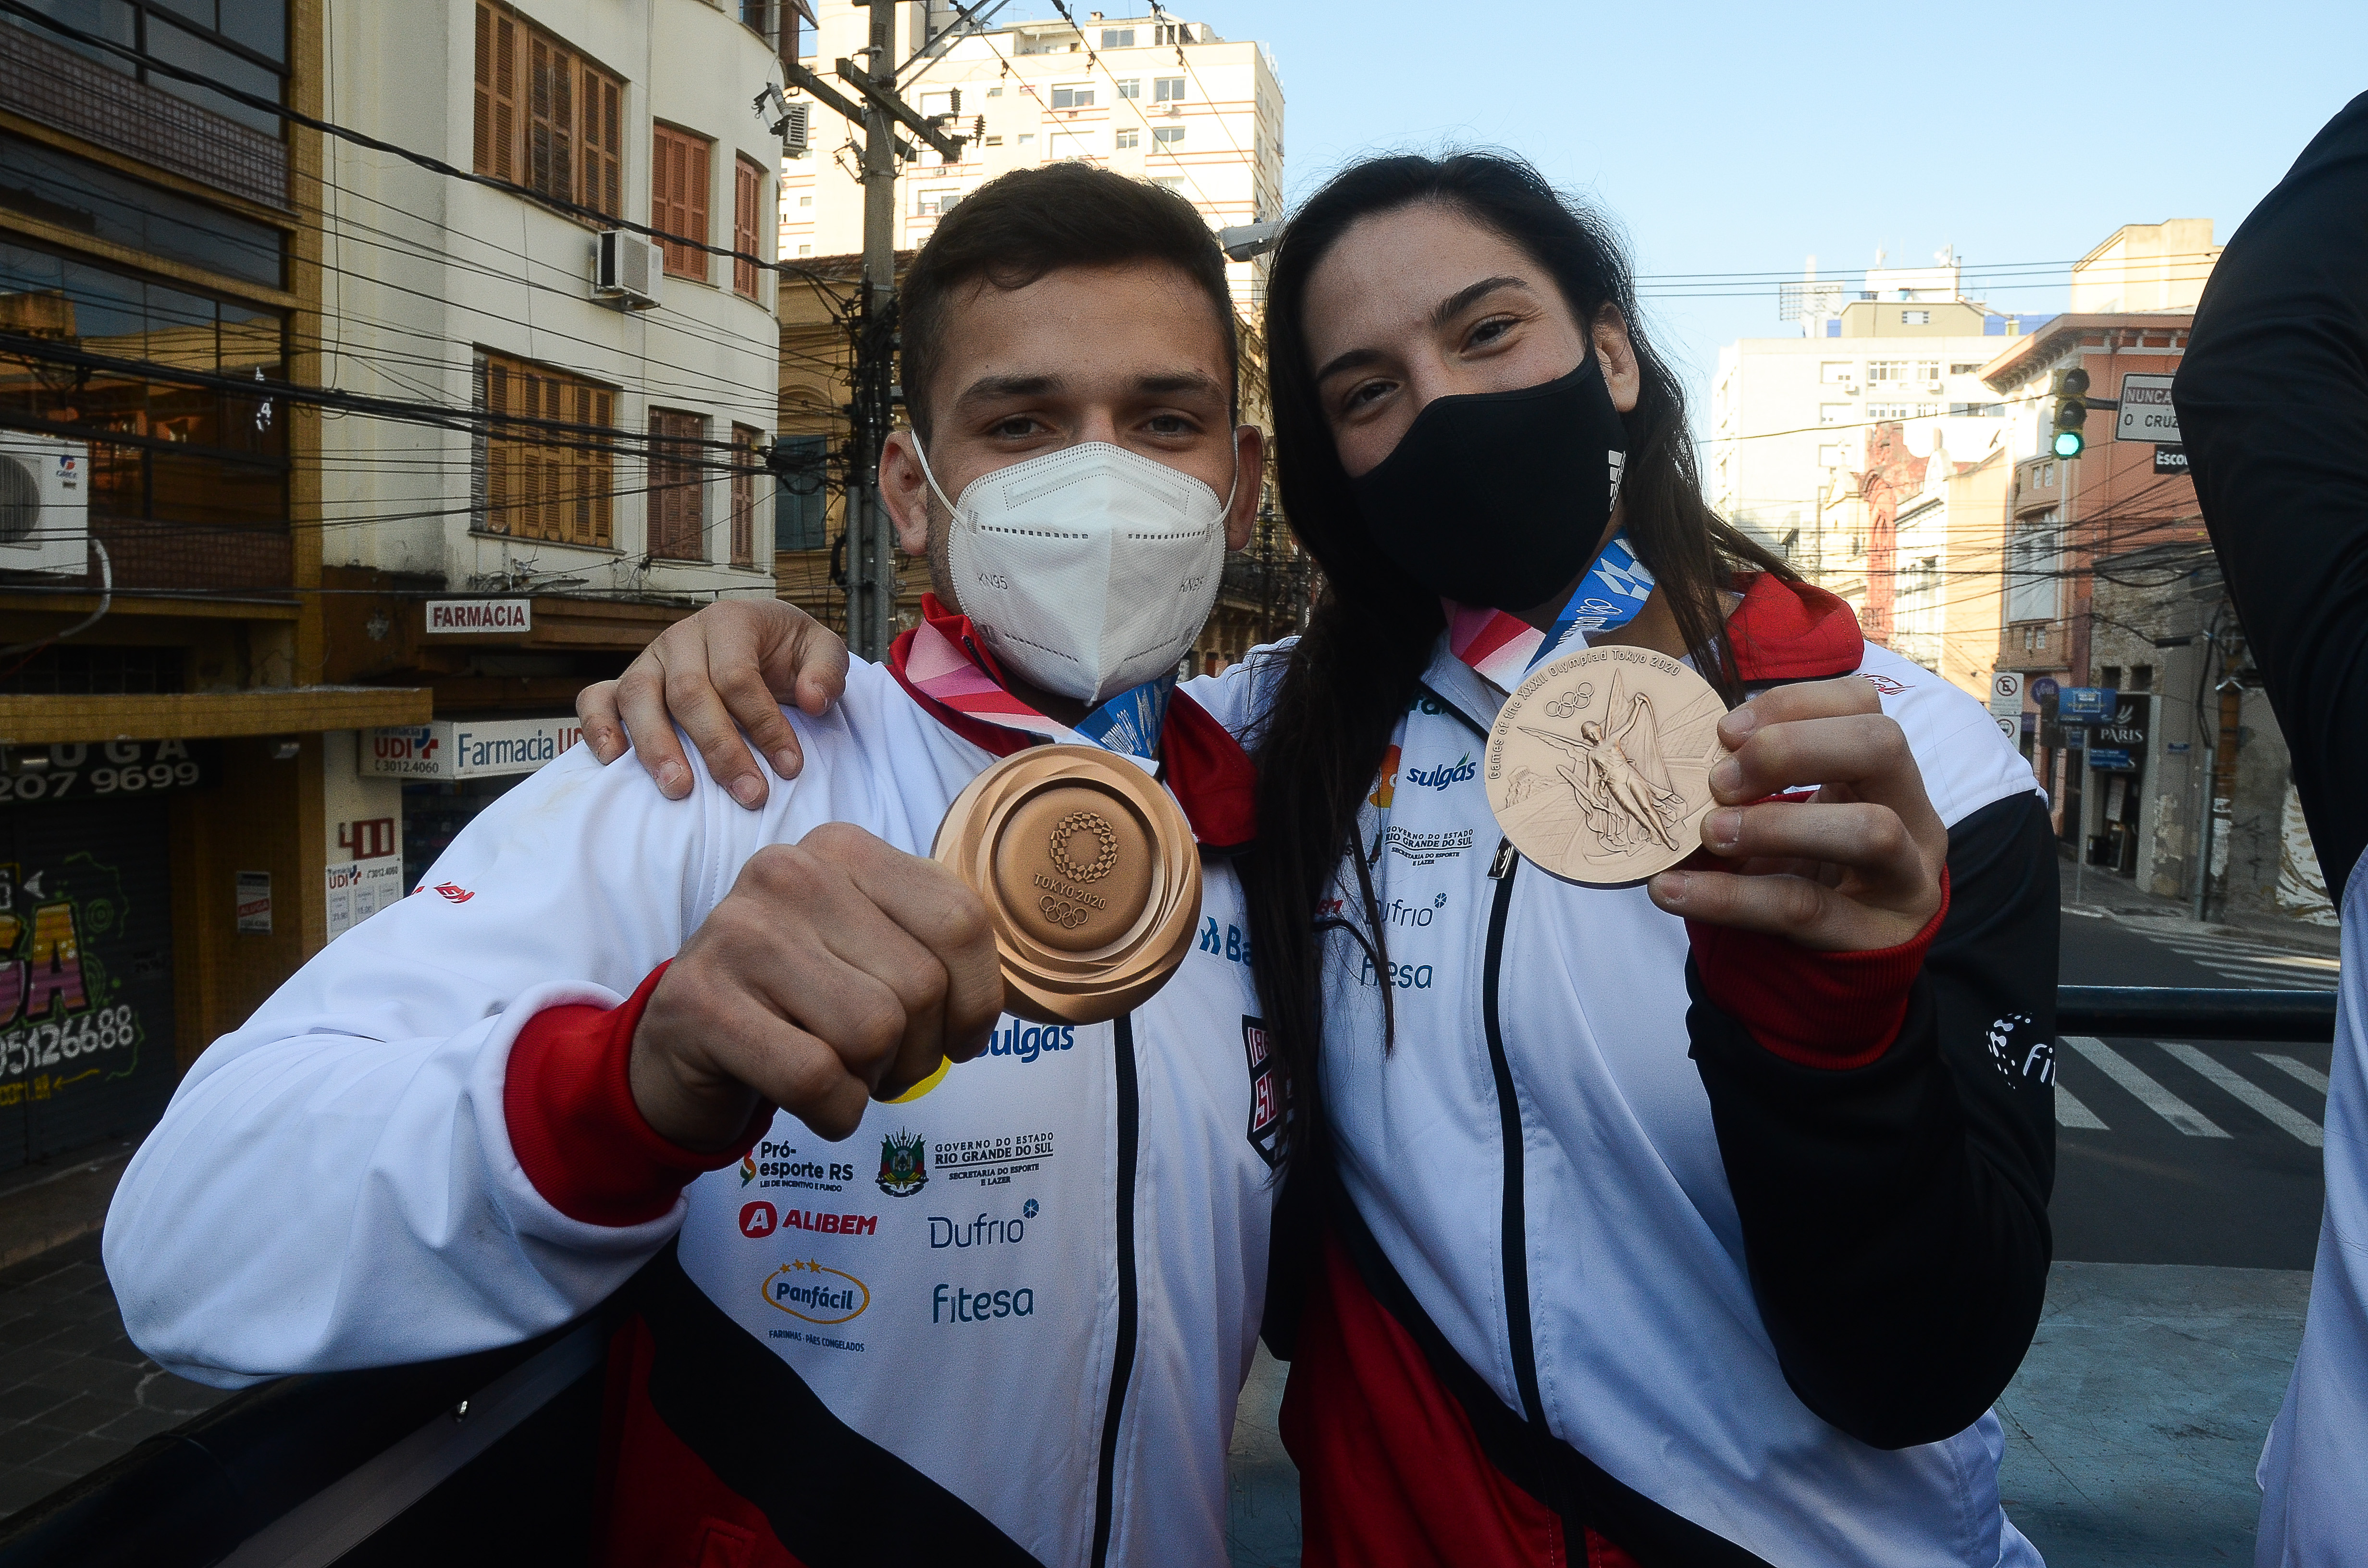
x=1372, y=628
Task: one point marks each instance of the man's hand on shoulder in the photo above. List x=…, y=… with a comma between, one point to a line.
x=726, y=670
x=836, y=970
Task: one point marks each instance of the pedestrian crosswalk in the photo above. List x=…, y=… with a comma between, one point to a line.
x=2251, y=964
x=2153, y=1094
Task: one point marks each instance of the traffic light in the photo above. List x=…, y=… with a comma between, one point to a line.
x=2071, y=410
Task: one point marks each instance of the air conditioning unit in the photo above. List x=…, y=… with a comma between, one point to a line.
x=626, y=268
x=45, y=503
x=796, y=125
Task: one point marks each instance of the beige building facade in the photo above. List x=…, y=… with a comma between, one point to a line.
x=1156, y=97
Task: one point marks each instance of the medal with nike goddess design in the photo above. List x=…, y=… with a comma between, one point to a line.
x=1599, y=765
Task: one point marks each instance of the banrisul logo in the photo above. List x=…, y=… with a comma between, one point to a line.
x=1441, y=776
x=903, y=1165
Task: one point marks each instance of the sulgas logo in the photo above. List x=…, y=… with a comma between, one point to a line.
x=802, y=1290
x=1441, y=775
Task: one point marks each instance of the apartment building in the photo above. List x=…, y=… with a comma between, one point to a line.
x=164, y=719
x=1155, y=97
x=1786, y=412
x=604, y=477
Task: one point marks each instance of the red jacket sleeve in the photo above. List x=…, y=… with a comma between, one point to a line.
x=1813, y=1009
x=577, y=1133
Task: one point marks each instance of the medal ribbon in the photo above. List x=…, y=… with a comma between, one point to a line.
x=1502, y=648
x=1128, y=725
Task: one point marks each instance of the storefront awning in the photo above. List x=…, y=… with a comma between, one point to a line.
x=209, y=715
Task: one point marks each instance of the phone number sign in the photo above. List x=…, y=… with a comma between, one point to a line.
x=109, y=769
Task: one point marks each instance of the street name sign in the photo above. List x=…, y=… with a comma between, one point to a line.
x=2147, y=414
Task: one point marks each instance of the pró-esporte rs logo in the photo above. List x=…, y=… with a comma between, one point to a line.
x=776, y=1165
x=903, y=1165
x=814, y=1292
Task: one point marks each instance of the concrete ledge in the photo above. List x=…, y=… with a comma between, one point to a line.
x=209, y=715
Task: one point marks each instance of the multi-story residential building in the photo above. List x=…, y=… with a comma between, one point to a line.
x=1155, y=97
x=600, y=475
x=164, y=721
x=1787, y=411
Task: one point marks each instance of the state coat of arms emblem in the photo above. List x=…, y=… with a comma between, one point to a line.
x=903, y=1165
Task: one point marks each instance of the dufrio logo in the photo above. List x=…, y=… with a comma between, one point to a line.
x=812, y=1292
x=903, y=1165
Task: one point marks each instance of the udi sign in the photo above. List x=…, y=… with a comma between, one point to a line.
x=466, y=749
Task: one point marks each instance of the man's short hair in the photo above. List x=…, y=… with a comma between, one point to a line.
x=1018, y=226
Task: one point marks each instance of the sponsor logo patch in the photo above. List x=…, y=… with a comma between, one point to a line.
x=981, y=1231
x=1266, y=1089
x=1439, y=775
x=454, y=891
x=993, y=1162
x=955, y=1304
x=1428, y=848
x=773, y=1164
x=903, y=1165
x=813, y=1292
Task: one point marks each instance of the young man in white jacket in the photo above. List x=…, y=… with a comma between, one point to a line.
x=996, y=1313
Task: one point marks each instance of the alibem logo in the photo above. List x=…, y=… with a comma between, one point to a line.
x=951, y=1303
x=1443, y=774
x=813, y=1292
x=903, y=1165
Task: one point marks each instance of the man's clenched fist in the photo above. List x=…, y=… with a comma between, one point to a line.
x=835, y=970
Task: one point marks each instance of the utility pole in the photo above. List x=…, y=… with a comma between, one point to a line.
x=871, y=534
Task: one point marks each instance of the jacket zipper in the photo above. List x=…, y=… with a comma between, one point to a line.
x=1123, y=1359
x=1508, y=1112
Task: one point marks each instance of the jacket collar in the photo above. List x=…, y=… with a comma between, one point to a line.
x=1206, y=769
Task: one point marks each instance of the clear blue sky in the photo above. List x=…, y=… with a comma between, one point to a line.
x=1744, y=137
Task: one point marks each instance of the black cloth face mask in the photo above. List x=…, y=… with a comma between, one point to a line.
x=1500, y=498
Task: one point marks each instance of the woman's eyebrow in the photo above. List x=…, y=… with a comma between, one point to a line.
x=1456, y=305
x=1446, y=311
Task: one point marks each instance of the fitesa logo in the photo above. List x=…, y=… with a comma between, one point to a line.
x=1441, y=776
x=903, y=1165
x=775, y=1162
x=813, y=1292
x=982, y=1232
x=1028, y=1041
x=1405, y=977
x=951, y=1303
x=760, y=1218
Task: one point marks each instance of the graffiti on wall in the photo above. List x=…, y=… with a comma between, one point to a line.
x=68, y=1020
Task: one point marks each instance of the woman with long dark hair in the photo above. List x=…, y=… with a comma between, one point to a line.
x=1692, y=1223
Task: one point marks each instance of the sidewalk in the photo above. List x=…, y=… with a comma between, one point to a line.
x=74, y=1391
x=2101, y=892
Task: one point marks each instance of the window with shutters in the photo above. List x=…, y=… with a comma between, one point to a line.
x=678, y=489
x=746, y=461
x=679, y=199
x=542, y=483
x=747, y=204
x=801, y=501
x=546, y=118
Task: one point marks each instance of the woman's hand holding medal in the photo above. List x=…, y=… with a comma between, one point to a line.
x=1855, y=867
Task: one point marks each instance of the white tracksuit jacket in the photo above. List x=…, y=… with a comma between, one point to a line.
x=1626, y=1334
x=1053, y=1325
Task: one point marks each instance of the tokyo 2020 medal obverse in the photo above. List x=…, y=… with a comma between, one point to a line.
x=1599, y=765
x=1090, y=875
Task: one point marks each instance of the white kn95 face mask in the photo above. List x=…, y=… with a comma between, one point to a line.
x=1089, y=571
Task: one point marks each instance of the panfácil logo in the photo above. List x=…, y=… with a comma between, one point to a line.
x=802, y=1290
x=1441, y=776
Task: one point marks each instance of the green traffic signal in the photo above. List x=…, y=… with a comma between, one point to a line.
x=2071, y=410
x=2068, y=443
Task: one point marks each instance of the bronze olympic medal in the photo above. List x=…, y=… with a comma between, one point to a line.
x=1599, y=765
x=1090, y=875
